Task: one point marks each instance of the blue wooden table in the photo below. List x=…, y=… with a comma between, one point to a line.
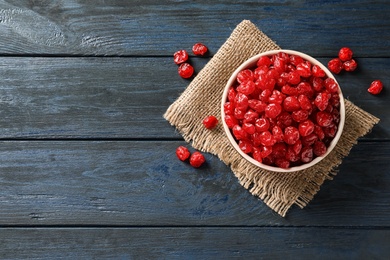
x=87, y=162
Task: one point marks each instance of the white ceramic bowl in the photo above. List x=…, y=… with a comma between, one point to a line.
x=251, y=63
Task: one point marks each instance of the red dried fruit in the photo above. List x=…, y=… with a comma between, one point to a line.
x=199, y=49
x=232, y=95
x=245, y=75
x=294, y=77
x=239, y=133
x=335, y=65
x=277, y=97
x=295, y=59
x=291, y=155
x=322, y=100
x=249, y=128
x=210, y=122
x=264, y=61
x=185, y=70
x=306, y=127
x=250, y=116
x=375, y=87
x=282, y=163
x=273, y=110
x=318, y=84
x=245, y=146
x=230, y=121
x=331, y=85
x=291, y=103
x=241, y=101
x=257, y=105
x=180, y=56
x=291, y=135
x=197, y=159
x=297, y=147
x=304, y=69
x=264, y=95
x=319, y=148
x=262, y=124
x=330, y=131
x=247, y=87
x=324, y=119
x=309, y=140
x=266, y=151
x=300, y=115
x=228, y=108
x=307, y=154
x=267, y=139
x=304, y=102
x=284, y=119
x=277, y=132
x=350, y=65
x=279, y=64
x=319, y=132
x=345, y=54
x=317, y=71
x=256, y=154
x=288, y=90
x=305, y=89
x=182, y=153
x=279, y=150
x=239, y=114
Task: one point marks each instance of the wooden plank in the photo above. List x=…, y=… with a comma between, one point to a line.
x=143, y=183
x=127, y=97
x=194, y=243
x=162, y=27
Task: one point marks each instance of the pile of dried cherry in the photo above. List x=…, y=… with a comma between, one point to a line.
x=284, y=111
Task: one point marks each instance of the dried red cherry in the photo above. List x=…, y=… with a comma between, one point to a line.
x=335, y=65
x=180, y=56
x=182, y=153
x=324, y=118
x=199, y=49
x=262, y=124
x=291, y=135
x=197, y=159
x=273, y=110
x=186, y=70
x=317, y=71
x=319, y=148
x=210, y=122
x=306, y=127
x=345, y=54
x=245, y=146
x=375, y=87
x=307, y=154
x=245, y=75
x=350, y=65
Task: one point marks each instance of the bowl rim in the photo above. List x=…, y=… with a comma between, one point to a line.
x=252, y=62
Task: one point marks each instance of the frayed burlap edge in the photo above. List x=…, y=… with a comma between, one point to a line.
x=202, y=97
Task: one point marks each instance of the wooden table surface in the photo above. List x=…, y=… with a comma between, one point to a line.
x=87, y=162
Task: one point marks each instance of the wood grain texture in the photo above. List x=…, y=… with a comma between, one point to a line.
x=143, y=184
x=87, y=163
x=127, y=97
x=194, y=243
x=161, y=27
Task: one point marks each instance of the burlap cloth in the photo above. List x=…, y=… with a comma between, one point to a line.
x=203, y=97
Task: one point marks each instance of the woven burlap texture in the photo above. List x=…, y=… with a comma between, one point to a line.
x=203, y=96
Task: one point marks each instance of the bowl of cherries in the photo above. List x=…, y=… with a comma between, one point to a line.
x=283, y=110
